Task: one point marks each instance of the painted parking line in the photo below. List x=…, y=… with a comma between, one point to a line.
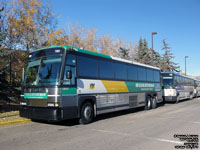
x=150, y=138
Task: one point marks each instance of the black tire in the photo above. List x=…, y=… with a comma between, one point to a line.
x=177, y=99
x=191, y=96
x=154, y=102
x=87, y=113
x=148, y=103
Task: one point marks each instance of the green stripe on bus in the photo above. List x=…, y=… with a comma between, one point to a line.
x=36, y=95
x=94, y=53
x=67, y=91
x=142, y=87
x=87, y=52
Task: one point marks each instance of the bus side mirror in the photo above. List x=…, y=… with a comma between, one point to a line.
x=162, y=87
x=69, y=74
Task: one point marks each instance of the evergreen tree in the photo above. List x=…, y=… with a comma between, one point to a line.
x=2, y=32
x=157, y=59
x=167, y=63
x=124, y=53
x=148, y=53
x=143, y=52
x=4, y=53
x=139, y=52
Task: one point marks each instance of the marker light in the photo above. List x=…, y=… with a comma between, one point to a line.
x=53, y=104
x=56, y=104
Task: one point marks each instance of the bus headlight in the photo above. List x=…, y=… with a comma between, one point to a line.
x=22, y=103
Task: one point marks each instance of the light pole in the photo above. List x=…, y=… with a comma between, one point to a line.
x=153, y=33
x=185, y=64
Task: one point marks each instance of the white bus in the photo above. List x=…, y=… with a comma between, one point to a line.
x=63, y=82
x=177, y=87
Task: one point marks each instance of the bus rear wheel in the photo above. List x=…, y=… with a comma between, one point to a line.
x=148, y=103
x=87, y=113
x=154, y=102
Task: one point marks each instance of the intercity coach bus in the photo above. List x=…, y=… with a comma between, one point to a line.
x=177, y=87
x=63, y=82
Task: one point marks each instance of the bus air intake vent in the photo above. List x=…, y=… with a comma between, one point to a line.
x=133, y=101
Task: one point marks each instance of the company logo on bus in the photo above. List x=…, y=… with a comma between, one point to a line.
x=92, y=85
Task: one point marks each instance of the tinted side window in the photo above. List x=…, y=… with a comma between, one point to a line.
x=142, y=76
x=181, y=80
x=187, y=81
x=176, y=80
x=72, y=80
x=87, y=67
x=132, y=73
x=150, y=75
x=71, y=60
x=191, y=82
x=156, y=76
x=120, y=71
x=106, y=69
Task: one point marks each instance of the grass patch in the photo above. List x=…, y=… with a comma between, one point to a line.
x=10, y=116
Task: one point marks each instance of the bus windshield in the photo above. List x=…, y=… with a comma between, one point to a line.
x=168, y=82
x=43, y=71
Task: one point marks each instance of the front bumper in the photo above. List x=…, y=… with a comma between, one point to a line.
x=170, y=98
x=48, y=114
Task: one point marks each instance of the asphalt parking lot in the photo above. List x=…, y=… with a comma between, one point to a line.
x=127, y=130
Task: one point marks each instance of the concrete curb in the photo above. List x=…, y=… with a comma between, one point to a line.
x=14, y=122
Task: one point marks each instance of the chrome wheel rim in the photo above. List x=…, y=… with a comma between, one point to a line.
x=149, y=103
x=87, y=112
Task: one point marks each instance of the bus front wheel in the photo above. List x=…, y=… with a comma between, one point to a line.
x=191, y=96
x=87, y=113
x=177, y=99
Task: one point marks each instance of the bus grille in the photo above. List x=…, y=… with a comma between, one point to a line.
x=133, y=101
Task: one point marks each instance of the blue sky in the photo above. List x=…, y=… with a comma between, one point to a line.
x=177, y=21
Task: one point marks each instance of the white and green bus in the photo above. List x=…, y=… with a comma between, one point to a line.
x=177, y=87
x=63, y=82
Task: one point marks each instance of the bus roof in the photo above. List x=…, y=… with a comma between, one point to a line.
x=72, y=48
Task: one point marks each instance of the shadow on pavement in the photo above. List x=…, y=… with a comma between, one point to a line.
x=74, y=122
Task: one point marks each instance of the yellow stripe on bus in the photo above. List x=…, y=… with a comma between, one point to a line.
x=115, y=86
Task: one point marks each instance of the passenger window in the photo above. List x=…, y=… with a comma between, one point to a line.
x=120, y=71
x=106, y=69
x=87, y=67
x=150, y=75
x=132, y=73
x=156, y=76
x=142, y=76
